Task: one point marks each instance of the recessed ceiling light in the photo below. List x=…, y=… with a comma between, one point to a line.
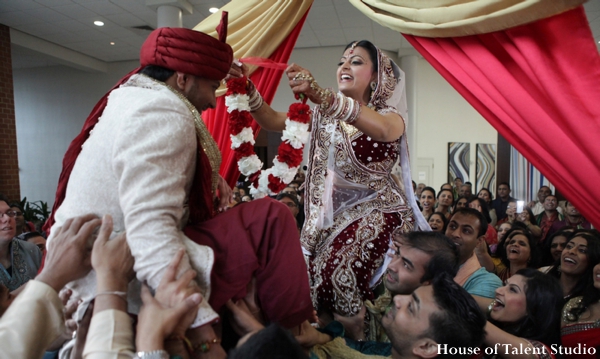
x=112, y=42
x=98, y=23
x=213, y=10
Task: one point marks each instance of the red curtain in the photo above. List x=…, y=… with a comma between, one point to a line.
x=266, y=81
x=538, y=85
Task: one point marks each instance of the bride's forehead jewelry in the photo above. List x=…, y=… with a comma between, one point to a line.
x=352, y=47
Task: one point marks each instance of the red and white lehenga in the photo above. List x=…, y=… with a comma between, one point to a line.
x=352, y=202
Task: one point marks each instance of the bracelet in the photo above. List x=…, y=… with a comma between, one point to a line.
x=155, y=354
x=324, y=94
x=186, y=342
x=205, y=347
x=122, y=295
x=255, y=100
x=343, y=108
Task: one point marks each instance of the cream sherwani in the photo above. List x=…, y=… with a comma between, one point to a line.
x=138, y=165
x=31, y=322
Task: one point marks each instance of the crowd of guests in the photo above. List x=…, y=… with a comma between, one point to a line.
x=492, y=279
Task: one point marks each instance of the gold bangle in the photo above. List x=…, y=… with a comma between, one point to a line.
x=205, y=346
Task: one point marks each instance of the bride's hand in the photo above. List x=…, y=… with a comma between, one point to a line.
x=302, y=82
x=237, y=70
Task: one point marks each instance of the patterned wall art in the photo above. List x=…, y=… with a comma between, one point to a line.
x=486, y=167
x=458, y=161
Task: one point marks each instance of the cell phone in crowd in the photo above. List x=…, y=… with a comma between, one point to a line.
x=520, y=205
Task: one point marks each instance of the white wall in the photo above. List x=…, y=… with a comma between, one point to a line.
x=443, y=116
x=51, y=104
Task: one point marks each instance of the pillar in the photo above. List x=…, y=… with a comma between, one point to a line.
x=9, y=162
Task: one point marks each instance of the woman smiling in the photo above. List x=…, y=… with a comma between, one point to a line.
x=427, y=201
x=524, y=318
x=445, y=200
x=519, y=252
x=577, y=261
x=438, y=222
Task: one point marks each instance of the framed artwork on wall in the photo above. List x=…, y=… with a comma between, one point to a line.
x=458, y=161
x=485, y=167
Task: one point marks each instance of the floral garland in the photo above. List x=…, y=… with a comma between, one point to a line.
x=289, y=154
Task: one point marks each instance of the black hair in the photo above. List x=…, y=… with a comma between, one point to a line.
x=458, y=310
x=462, y=197
x=16, y=204
x=484, y=207
x=442, y=186
x=515, y=227
x=466, y=211
x=551, y=195
x=157, y=72
x=444, y=219
x=530, y=212
x=430, y=189
x=590, y=295
x=28, y=235
x=272, y=342
x=593, y=257
x=534, y=252
x=290, y=196
x=371, y=49
x=451, y=195
x=444, y=253
x=544, y=300
x=488, y=191
x=505, y=183
x=547, y=246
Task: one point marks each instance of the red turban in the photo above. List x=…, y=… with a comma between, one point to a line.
x=188, y=51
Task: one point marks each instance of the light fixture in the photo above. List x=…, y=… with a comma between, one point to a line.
x=98, y=23
x=213, y=10
x=112, y=42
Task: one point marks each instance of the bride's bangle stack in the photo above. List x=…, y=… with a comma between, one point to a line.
x=255, y=100
x=342, y=107
x=337, y=105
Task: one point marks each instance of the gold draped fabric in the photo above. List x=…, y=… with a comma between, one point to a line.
x=453, y=18
x=257, y=27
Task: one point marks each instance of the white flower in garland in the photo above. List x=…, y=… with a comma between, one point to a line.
x=296, y=133
x=249, y=165
x=263, y=185
x=237, y=102
x=283, y=171
x=245, y=135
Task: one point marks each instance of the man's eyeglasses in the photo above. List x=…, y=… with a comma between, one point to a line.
x=11, y=214
x=289, y=204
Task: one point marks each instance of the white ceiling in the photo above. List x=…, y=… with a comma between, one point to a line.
x=69, y=23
